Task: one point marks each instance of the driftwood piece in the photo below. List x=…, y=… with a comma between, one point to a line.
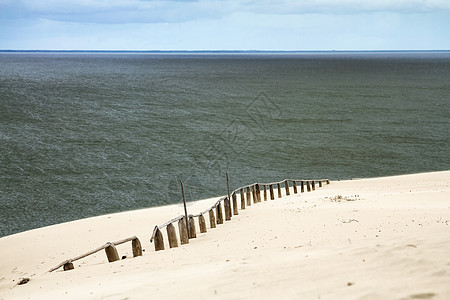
x=184, y=237
x=294, y=186
x=111, y=253
x=219, y=214
x=286, y=187
x=272, y=197
x=241, y=191
x=279, y=189
x=192, y=230
x=212, y=219
x=136, y=247
x=202, y=223
x=172, y=236
x=159, y=240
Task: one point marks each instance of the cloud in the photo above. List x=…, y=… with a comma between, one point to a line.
x=175, y=11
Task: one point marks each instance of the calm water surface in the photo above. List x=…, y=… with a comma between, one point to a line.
x=88, y=134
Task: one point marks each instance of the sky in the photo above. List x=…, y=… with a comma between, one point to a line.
x=225, y=25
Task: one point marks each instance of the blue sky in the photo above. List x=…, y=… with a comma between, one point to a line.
x=225, y=24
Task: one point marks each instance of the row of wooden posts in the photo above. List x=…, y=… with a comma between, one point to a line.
x=187, y=229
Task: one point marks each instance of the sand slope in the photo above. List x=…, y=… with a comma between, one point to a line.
x=390, y=241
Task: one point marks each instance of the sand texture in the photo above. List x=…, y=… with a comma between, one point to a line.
x=380, y=238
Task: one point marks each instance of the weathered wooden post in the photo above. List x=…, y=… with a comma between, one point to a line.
x=249, y=199
x=202, y=223
x=235, y=206
x=272, y=197
x=286, y=187
x=185, y=209
x=227, y=209
x=320, y=183
x=227, y=202
x=258, y=192
x=255, y=200
x=192, y=231
x=212, y=219
x=182, y=228
x=68, y=266
x=308, y=187
x=219, y=213
x=265, y=192
x=136, y=247
x=159, y=241
x=294, y=185
x=328, y=182
x=111, y=253
x=313, y=185
x=172, y=236
x=302, y=188
x=241, y=191
x=279, y=189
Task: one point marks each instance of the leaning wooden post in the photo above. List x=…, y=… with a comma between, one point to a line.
x=308, y=187
x=212, y=219
x=258, y=192
x=249, y=199
x=294, y=185
x=286, y=187
x=159, y=241
x=255, y=200
x=313, y=185
x=235, y=207
x=241, y=191
x=172, y=235
x=302, y=188
x=185, y=209
x=279, y=189
x=202, y=223
x=192, y=231
x=265, y=192
x=227, y=202
x=182, y=228
x=136, y=247
x=219, y=213
x=272, y=197
x=320, y=183
x=111, y=253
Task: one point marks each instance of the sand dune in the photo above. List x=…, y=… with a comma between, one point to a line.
x=380, y=238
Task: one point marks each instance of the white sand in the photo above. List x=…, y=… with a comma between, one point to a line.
x=392, y=242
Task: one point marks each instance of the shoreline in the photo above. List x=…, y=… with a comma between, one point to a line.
x=307, y=245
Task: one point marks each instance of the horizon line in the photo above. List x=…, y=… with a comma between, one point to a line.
x=215, y=51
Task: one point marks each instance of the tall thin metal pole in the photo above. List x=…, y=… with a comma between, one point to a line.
x=185, y=209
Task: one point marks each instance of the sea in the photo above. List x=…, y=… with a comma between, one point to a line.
x=90, y=133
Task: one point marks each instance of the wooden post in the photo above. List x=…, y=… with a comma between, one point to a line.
x=258, y=192
x=308, y=187
x=185, y=209
x=227, y=209
x=328, y=182
x=320, y=183
x=241, y=191
x=136, y=247
x=265, y=192
x=286, y=187
x=302, y=186
x=249, y=199
x=279, y=189
x=182, y=228
x=172, y=235
x=68, y=266
x=192, y=231
x=255, y=200
x=212, y=219
x=271, y=192
x=294, y=185
x=111, y=253
x=313, y=185
x=235, y=207
x=159, y=241
x=219, y=213
x=202, y=223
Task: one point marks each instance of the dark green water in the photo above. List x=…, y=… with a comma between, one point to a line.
x=89, y=134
